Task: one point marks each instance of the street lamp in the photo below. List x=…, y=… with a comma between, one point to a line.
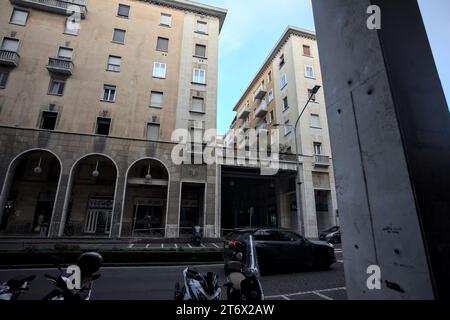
x=313, y=92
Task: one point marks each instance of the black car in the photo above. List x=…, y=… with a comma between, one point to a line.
x=331, y=235
x=280, y=248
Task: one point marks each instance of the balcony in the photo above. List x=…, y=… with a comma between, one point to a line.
x=244, y=112
x=261, y=111
x=62, y=7
x=245, y=126
x=9, y=58
x=261, y=126
x=260, y=92
x=321, y=161
x=60, y=66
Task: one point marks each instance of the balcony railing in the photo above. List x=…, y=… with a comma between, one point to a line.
x=244, y=112
x=261, y=111
x=260, y=92
x=63, y=7
x=321, y=161
x=60, y=66
x=9, y=58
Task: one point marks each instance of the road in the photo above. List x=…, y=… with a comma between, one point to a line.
x=157, y=283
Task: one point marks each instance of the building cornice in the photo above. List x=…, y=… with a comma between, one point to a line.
x=194, y=7
x=290, y=30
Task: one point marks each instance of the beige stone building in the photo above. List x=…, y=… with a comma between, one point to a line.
x=274, y=99
x=90, y=93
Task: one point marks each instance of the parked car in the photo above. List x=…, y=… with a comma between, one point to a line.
x=280, y=248
x=331, y=235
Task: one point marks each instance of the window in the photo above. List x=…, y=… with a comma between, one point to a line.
x=200, y=50
x=4, y=74
x=10, y=44
x=48, y=120
x=19, y=17
x=270, y=76
x=156, y=99
x=56, y=87
x=119, y=36
x=270, y=96
x=283, y=81
x=162, y=44
x=202, y=27
x=72, y=26
x=197, y=104
x=315, y=121
x=199, y=76
x=159, y=70
x=165, y=20
x=123, y=11
x=103, y=126
x=282, y=62
x=287, y=128
x=317, y=148
x=109, y=93
x=289, y=236
x=285, y=103
x=310, y=94
x=309, y=72
x=307, y=50
x=153, y=131
x=65, y=53
x=114, y=63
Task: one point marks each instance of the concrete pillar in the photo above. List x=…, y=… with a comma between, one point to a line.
x=117, y=213
x=389, y=127
x=58, y=218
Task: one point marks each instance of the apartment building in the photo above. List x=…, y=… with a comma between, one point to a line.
x=274, y=100
x=90, y=93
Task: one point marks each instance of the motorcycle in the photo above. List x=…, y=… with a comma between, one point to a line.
x=89, y=263
x=12, y=289
x=198, y=286
x=243, y=278
x=196, y=236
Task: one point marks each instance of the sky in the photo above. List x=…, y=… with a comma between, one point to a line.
x=253, y=27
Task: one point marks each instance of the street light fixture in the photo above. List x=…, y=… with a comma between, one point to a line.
x=313, y=92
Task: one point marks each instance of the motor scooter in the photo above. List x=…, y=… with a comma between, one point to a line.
x=89, y=263
x=12, y=289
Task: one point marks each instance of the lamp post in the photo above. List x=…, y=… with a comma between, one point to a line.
x=297, y=151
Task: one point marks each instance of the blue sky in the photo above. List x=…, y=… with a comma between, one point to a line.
x=252, y=28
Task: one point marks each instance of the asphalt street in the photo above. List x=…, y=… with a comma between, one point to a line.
x=157, y=283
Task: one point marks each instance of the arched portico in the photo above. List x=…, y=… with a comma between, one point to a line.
x=28, y=193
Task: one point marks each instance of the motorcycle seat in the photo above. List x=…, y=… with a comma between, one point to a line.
x=236, y=279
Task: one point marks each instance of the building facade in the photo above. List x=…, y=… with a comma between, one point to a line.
x=274, y=100
x=90, y=94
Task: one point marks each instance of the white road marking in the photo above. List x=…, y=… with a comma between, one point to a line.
x=215, y=245
x=130, y=246
x=162, y=245
x=340, y=261
x=202, y=245
x=322, y=296
x=148, y=245
x=285, y=298
x=307, y=292
x=176, y=246
x=189, y=246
